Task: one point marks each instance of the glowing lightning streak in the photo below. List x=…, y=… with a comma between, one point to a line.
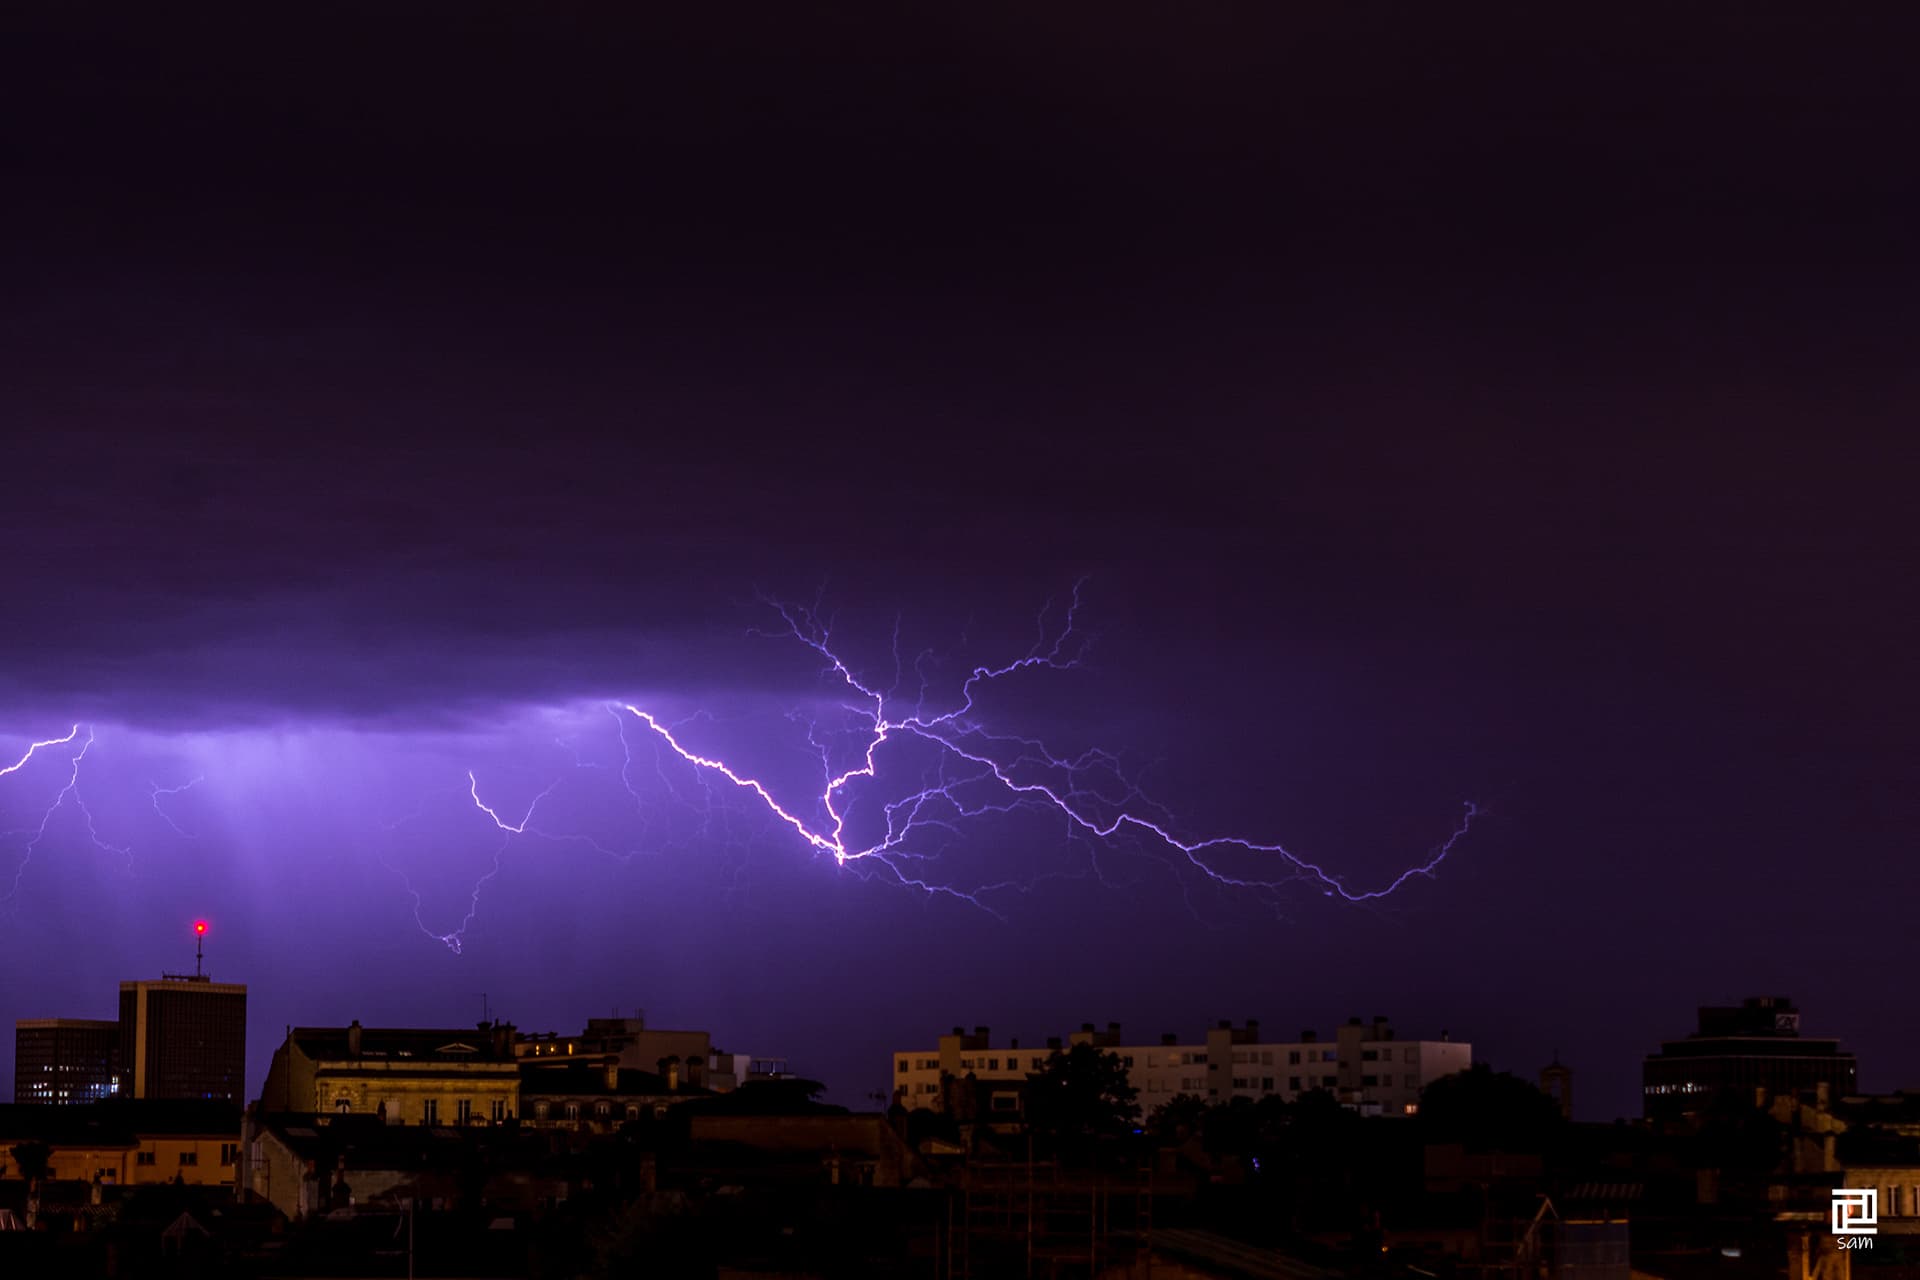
x=70, y=790
x=473, y=789
x=1009, y=762
x=155, y=791
x=949, y=731
x=50, y=742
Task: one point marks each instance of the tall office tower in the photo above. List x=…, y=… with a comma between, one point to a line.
x=184, y=1037
x=60, y=1060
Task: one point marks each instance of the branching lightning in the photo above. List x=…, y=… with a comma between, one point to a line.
x=155, y=791
x=69, y=792
x=979, y=774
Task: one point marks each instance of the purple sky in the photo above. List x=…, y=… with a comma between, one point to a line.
x=1503, y=413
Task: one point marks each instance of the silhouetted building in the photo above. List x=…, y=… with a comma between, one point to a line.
x=184, y=1037
x=686, y=1057
x=1740, y=1049
x=65, y=1060
x=1556, y=1081
x=126, y=1143
x=1363, y=1065
x=596, y=1097
x=308, y=1165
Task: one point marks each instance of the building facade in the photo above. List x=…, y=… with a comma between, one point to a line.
x=417, y=1076
x=184, y=1037
x=596, y=1097
x=1755, y=1045
x=65, y=1060
x=1363, y=1064
x=687, y=1058
x=630, y=1043
x=128, y=1143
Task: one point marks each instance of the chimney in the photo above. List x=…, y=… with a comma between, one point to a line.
x=1354, y=1021
x=502, y=1039
x=673, y=1076
x=1309, y=1037
x=959, y=1031
x=1113, y=1029
x=981, y=1032
x=1168, y=1037
x=1086, y=1026
x=1014, y=1043
x=353, y=1038
x=1253, y=1028
x=1226, y=1024
x=1053, y=1042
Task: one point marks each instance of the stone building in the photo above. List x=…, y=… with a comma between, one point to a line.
x=404, y=1075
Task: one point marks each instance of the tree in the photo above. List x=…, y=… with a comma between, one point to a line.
x=34, y=1159
x=1492, y=1110
x=1082, y=1096
x=1739, y=1137
x=1178, y=1118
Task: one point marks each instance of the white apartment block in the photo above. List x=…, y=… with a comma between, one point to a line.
x=1361, y=1064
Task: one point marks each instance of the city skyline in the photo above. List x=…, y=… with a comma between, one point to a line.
x=907, y=1072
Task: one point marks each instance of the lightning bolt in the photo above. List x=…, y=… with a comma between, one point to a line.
x=454, y=939
x=71, y=791
x=21, y=763
x=979, y=774
x=155, y=791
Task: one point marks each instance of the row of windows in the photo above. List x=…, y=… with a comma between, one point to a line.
x=1171, y=1058
x=188, y=1159
x=1194, y=1084
x=464, y=1113
x=1186, y=1084
x=1895, y=1205
x=430, y=1110
x=602, y=1111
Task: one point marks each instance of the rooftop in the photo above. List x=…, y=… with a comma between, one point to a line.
x=427, y=1044
x=117, y=1121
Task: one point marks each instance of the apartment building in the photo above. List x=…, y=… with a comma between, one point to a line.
x=1362, y=1064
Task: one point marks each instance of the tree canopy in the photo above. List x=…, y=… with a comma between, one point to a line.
x=1082, y=1095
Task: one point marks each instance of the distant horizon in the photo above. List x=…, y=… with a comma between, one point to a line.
x=854, y=1098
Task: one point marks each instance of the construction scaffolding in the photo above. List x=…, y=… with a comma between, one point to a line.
x=1045, y=1222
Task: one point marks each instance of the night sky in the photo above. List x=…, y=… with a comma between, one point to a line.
x=1515, y=410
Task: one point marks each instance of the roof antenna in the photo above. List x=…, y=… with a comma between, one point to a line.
x=199, y=944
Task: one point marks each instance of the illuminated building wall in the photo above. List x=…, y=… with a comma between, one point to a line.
x=1363, y=1065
